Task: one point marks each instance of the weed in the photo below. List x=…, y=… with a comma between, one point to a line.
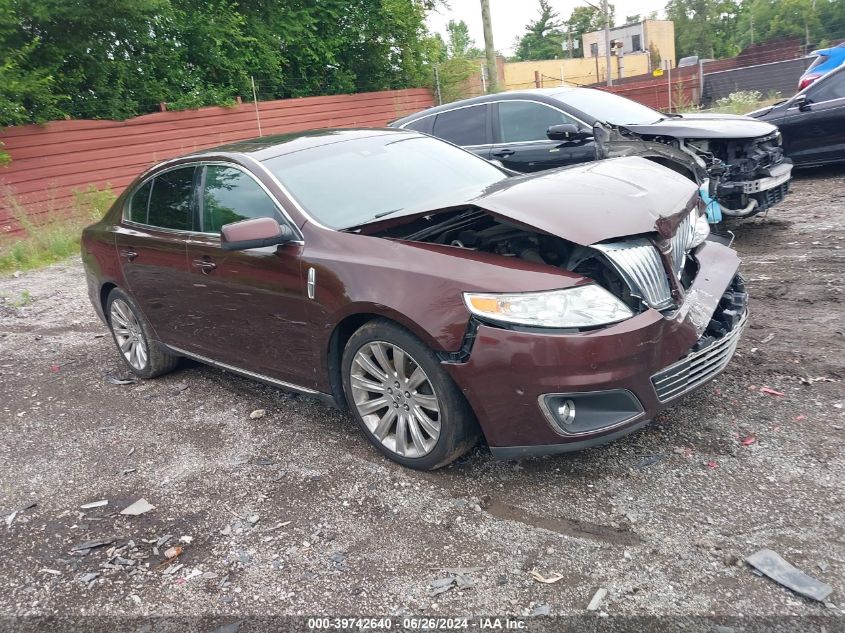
x=57, y=237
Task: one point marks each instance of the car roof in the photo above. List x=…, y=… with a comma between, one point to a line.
x=266, y=147
x=530, y=93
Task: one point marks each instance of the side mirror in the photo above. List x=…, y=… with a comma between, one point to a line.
x=802, y=102
x=567, y=132
x=254, y=233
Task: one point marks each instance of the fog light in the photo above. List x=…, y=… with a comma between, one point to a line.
x=597, y=410
x=566, y=413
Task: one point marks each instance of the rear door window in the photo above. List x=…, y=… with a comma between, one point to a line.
x=139, y=203
x=171, y=199
x=230, y=195
x=421, y=125
x=464, y=126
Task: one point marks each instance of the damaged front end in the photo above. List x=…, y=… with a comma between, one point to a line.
x=738, y=178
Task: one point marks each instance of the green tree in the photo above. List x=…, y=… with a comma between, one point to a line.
x=460, y=44
x=704, y=27
x=585, y=19
x=119, y=58
x=811, y=21
x=544, y=37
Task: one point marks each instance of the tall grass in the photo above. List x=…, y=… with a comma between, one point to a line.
x=57, y=237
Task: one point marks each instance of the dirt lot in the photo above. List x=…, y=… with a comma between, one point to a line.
x=294, y=513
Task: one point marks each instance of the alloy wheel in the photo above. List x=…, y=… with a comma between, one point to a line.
x=128, y=334
x=395, y=399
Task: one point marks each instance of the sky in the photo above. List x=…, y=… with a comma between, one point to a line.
x=510, y=16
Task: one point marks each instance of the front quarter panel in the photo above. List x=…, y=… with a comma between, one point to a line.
x=418, y=285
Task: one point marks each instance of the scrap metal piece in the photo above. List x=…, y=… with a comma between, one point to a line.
x=595, y=603
x=772, y=565
x=141, y=506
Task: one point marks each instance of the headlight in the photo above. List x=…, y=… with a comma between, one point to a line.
x=702, y=230
x=583, y=306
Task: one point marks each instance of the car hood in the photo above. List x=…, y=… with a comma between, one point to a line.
x=706, y=126
x=761, y=112
x=594, y=202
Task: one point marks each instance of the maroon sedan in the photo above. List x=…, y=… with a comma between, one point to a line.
x=435, y=295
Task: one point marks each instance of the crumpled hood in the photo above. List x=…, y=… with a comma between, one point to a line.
x=597, y=201
x=706, y=126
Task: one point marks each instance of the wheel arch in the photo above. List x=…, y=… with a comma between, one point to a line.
x=105, y=290
x=347, y=325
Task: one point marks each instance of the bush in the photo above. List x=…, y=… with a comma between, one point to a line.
x=738, y=102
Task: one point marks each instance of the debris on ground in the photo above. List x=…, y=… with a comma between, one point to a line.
x=277, y=526
x=771, y=391
x=809, y=381
x=141, y=506
x=86, y=578
x=253, y=519
x=258, y=413
x=173, y=552
x=456, y=581
x=648, y=460
x=120, y=381
x=94, y=504
x=748, y=440
x=89, y=545
x=772, y=565
x=540, y=609
x=597, y=598
x=768, y=338
x=545, y=579
x=10, y=516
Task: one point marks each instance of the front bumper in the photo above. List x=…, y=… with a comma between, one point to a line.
x=742, y=198
x=509, y=372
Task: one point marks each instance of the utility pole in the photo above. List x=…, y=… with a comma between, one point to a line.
x=492, y=68
x=751, y=20
x=607, y=42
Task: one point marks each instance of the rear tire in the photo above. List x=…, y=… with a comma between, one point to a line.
x=403, y=400
x=133, y=336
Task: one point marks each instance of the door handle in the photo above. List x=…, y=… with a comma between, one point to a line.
x=205, y=265
x=504, y=152
x=129, y=253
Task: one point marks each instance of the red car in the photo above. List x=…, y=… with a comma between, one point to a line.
x=435, y=295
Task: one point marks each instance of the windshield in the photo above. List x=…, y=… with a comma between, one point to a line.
x=352, y=182
x=609, y=108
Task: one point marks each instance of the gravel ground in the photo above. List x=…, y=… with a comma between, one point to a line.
x=294, y=513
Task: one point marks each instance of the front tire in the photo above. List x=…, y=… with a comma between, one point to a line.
x=133, y=336
x=403, y=400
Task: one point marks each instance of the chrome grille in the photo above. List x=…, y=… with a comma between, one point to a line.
x=680, y=242
x=638, y=263
x=698, y=367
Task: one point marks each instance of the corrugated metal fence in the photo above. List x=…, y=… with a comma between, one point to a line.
x=51, y=161
x=771, y=78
